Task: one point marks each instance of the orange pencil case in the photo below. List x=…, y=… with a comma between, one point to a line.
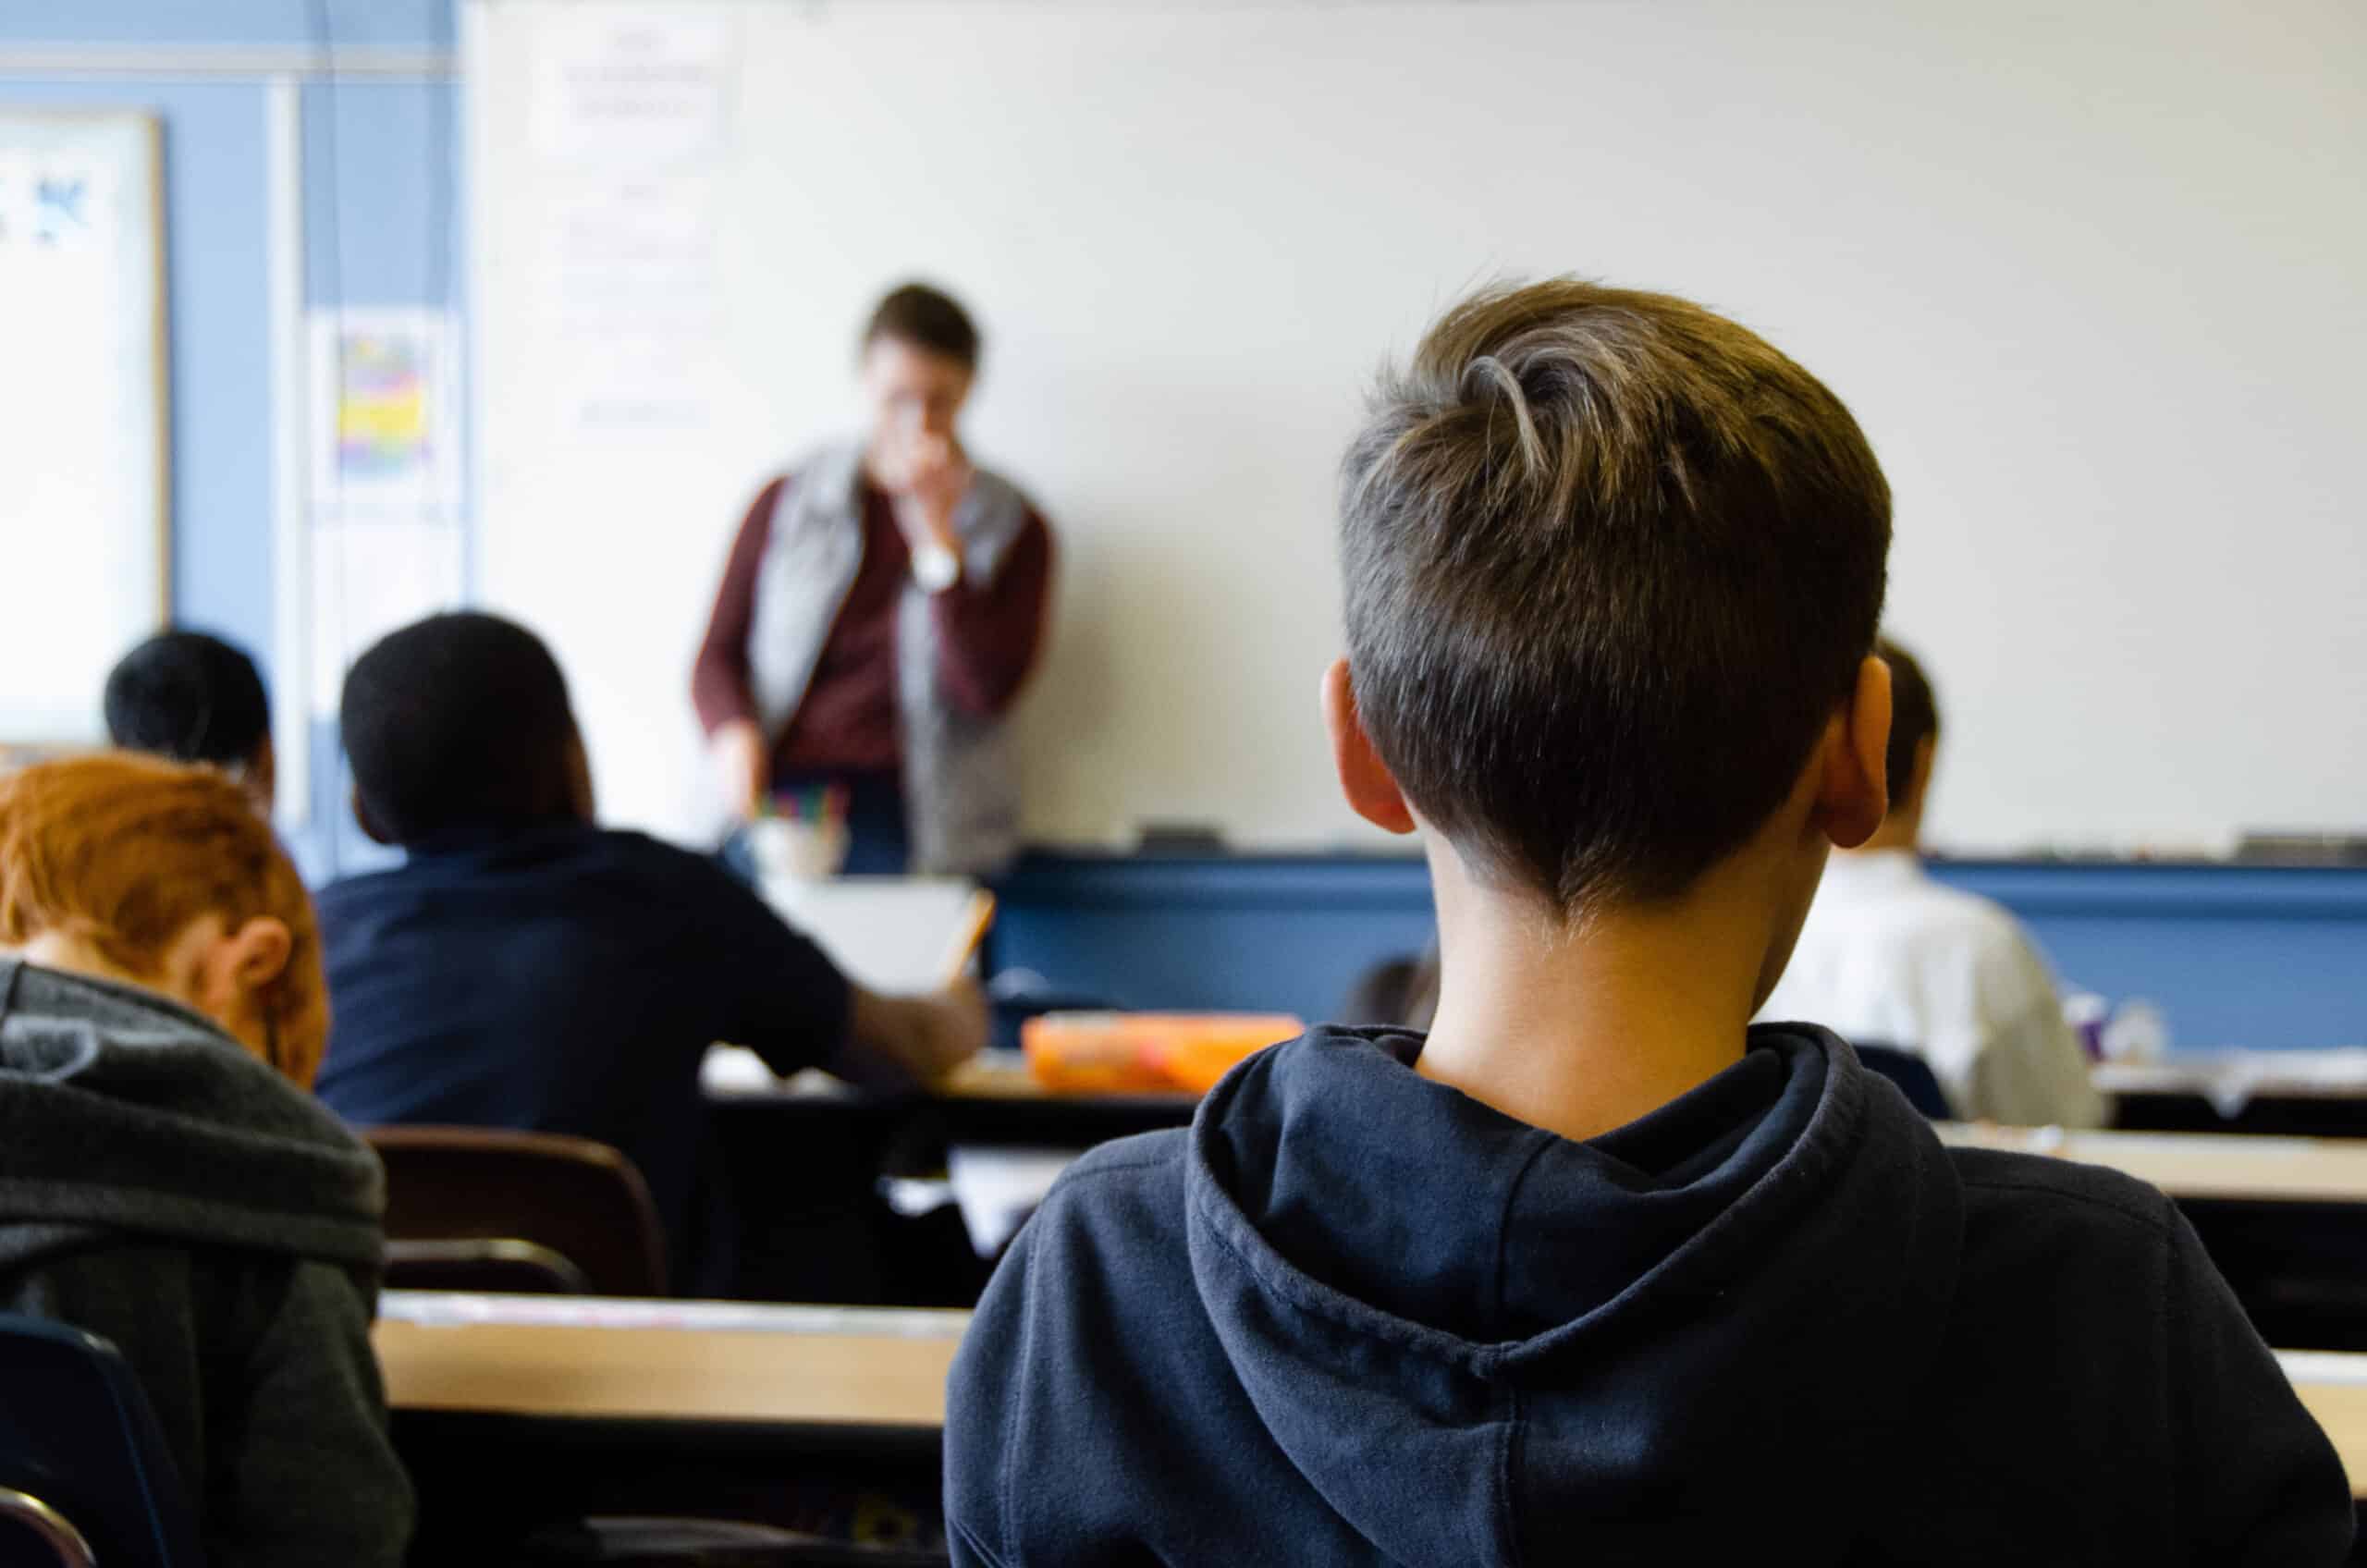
x=1145, y=1052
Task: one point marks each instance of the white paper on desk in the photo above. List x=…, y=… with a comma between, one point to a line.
x=892, y=934
x=369, y=578
x=997, y=1189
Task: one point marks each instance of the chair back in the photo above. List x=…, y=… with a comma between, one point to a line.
x=482, y=1209
x=1914, y=1077
x=84, y=1473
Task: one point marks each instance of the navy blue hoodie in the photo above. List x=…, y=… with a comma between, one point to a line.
x=1352, y=1315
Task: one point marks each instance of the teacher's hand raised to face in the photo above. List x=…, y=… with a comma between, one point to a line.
x=930, y=479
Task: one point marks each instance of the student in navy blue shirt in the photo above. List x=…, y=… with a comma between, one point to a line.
x=526, y=968
x=1595, y=1271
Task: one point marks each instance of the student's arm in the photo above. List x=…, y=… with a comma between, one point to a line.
x=307, y=1475
x=2030, y=1069
x=2033, y=1072
x=720, y=688
x=2256, y=1481
x=988, y=633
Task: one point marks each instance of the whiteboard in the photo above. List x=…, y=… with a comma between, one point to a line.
x=2091, y=276
x=85, y=506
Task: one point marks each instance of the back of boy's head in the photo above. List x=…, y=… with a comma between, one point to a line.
x=123, y=853
x=1612, y=562
x=190, y=697
x=1914, y=718
x=459, y=723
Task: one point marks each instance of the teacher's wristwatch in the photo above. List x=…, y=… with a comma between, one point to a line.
x=934, y=568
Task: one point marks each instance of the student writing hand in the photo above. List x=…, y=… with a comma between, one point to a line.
x=928, y=1035
x=746, y=771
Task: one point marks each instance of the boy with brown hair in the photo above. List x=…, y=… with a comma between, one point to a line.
x=1596, y=1271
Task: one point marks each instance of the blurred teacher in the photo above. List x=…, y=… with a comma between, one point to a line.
x=883, y=604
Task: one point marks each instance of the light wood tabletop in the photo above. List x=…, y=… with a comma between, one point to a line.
x=561, y=1357
x=707, y=1362
x=2334, y=1388
x=1004, y=1075
x=732, y=1073
x=2198, y=1165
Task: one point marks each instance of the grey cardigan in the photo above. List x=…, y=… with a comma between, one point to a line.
x=163, y=1189
x=961, y=769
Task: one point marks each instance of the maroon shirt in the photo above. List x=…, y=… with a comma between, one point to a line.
x=987, y=638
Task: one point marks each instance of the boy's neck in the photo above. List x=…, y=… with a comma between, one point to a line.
x=1579, y=1027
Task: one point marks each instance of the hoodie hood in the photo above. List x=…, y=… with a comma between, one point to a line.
x=120, y=1111
x=1622, y=1332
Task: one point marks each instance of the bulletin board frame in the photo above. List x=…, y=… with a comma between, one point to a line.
x=129, y=144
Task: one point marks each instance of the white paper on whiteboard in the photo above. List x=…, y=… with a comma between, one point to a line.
x=632, y=84
x=627, y=285
x=370, y=577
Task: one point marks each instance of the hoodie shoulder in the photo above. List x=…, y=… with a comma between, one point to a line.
x=1127, y=1194
x=2090, y=1199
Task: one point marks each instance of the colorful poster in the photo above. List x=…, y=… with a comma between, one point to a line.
x=385, y=430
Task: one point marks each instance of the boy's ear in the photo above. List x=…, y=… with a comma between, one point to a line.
x=581, y=801
x=1854, y=794
x=257, y=952
x=369, y=829
x=1365, y=780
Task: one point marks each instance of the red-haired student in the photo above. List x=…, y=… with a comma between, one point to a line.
x=165, y=1181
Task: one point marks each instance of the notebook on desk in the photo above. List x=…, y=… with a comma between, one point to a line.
x=892, y=934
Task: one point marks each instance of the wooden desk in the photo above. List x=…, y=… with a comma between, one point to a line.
x=2326, y=1074
x=804, y=1157
x=990, y=1079
x=516, y=1414
x=821, y=1375
x=2199, y=1165
x=2334, y=1388
x=2315, y=1094
x=2284, y=1218
x=704, y=1362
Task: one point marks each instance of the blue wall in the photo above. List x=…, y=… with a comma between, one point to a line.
x=2251, y=956
x=382, y=206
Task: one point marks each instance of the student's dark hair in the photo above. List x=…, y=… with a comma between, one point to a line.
x=459, y=721
x=1611, y=563
x=927, y=318
x=1914, y=718
x=189, y=696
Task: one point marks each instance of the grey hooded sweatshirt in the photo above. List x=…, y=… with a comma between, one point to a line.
x=162, y=1188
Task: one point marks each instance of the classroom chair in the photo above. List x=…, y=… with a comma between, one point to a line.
x=84, y=1475
x=1913, y=1077
x=478, y=1208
